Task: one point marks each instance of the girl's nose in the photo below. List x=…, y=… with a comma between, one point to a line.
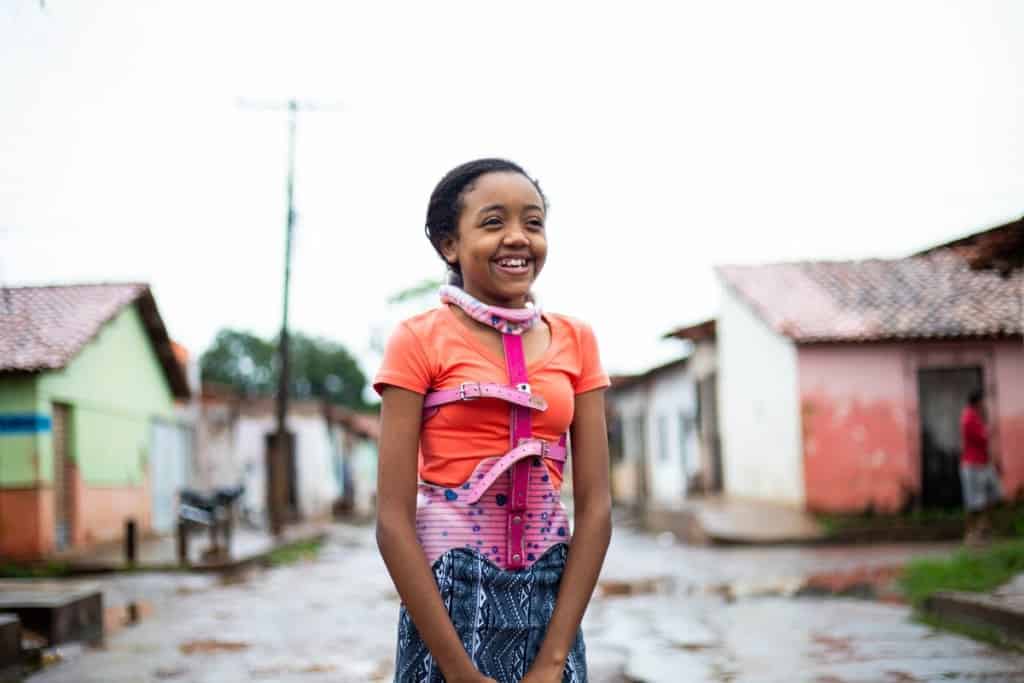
x=516, y=234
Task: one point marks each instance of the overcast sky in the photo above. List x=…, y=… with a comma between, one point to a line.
x=669, y=137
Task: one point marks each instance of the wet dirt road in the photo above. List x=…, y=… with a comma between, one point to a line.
x=667, y=612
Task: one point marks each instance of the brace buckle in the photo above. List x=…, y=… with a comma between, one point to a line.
x=545, y=446
x=523, y=387
x=462, y=391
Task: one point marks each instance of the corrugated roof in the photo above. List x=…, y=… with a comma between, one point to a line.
x=932, y=296
x=698, y=332
x=43, y=328
x=628, y=381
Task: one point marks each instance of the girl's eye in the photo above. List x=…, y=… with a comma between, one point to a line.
x=536, y=223
x=493, y=221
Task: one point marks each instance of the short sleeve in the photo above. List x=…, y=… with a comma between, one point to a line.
x=592, y=375
x=405, y=363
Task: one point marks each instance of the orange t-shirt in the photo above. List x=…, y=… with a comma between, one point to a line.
x=436, y=350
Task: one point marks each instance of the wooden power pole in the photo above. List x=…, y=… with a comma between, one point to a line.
x=280, y=444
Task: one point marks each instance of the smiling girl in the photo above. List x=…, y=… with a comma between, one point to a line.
x=481, y=397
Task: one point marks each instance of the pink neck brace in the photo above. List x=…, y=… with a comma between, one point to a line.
x=505, y=320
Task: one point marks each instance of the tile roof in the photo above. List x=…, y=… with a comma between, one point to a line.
x=932, y=296
x=1000, y=248
x=43, y=328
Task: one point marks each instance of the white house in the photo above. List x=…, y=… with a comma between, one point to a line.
x=329, y=442
x=654, y=444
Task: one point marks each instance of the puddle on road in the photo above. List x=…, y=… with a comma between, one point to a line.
x=169, y=672
x=211, y=647
x=611, y=588
x=236, y=578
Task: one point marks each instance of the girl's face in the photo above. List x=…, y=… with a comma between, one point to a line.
x=501, y=243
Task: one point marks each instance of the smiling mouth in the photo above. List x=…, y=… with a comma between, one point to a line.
x=515, y=266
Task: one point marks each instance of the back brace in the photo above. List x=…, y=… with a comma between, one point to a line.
x=508, y=510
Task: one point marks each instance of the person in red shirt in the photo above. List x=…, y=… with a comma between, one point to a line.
x=978, y=475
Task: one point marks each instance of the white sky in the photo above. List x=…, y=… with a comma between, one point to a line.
x=669, y=137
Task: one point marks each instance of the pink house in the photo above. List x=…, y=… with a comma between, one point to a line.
x=841, y=383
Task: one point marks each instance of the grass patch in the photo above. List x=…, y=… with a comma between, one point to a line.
x=923, y=518
x=966, y=570
x=295, y=552
x=46, y=570
x=983, y=634
x=1007, y=520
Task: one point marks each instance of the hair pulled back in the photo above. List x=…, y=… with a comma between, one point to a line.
x=446, y=203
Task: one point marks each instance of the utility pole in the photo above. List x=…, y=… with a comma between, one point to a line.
x=282, y=346
x=280, y=444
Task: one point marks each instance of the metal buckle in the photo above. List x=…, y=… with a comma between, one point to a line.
x=523, y=387
x=462, y=391
x=545, y=446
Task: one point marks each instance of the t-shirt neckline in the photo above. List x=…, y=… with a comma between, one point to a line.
x=467, y=335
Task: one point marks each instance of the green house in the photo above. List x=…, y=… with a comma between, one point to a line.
x=88, y=377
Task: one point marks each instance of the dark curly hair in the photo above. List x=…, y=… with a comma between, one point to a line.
x=446, y=202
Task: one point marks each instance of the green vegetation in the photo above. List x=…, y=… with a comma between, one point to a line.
x=967, y=570
x=1007, y=522
x=982, y=634
x=923, y=518
x=295, y=552
x=48, y=570
x=320, y=369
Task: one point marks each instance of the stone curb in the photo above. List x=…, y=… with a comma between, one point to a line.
x=979, y=610
x=235, y=564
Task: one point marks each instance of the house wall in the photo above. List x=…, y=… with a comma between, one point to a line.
x=1009, y=422
x=759, y=407
x=20, y=426
x=856, y=428
x=317, y=486
x=660, y=448
x=861, y=431
x=355, y=467
x=704, y=360
x=218, y=463
x=115, y=387
x=629, y=406
x=673, y=455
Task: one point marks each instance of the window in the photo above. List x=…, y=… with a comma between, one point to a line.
x=662, y=438
x=686, y=424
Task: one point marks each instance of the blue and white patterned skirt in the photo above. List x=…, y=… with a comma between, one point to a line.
x=500, y=615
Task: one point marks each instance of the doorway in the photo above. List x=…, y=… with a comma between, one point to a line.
x=62, y=476
x=942, y=394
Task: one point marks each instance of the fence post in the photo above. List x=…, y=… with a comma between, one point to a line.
x=130, y=545
x=182, y=543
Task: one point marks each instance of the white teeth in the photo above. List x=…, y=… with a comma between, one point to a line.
x=512, y=262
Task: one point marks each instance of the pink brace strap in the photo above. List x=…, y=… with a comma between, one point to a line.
x=521, y=428
x=468, y=391
x=525, y=449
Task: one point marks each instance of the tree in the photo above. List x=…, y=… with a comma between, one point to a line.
x=320, y=368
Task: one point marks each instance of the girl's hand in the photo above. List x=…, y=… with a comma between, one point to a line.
x=549, y=674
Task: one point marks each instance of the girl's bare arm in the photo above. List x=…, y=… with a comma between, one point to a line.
x=401, y=413
x=591, y=535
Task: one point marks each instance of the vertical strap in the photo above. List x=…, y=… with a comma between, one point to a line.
x=520, y=428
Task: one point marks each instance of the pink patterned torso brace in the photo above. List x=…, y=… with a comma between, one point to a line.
x=508, y=510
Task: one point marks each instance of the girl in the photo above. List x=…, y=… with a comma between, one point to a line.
x=478, y=396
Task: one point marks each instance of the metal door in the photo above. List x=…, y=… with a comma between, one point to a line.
x=942, y=395
x=170, y=453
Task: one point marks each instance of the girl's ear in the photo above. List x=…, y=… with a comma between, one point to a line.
x=449, y=249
